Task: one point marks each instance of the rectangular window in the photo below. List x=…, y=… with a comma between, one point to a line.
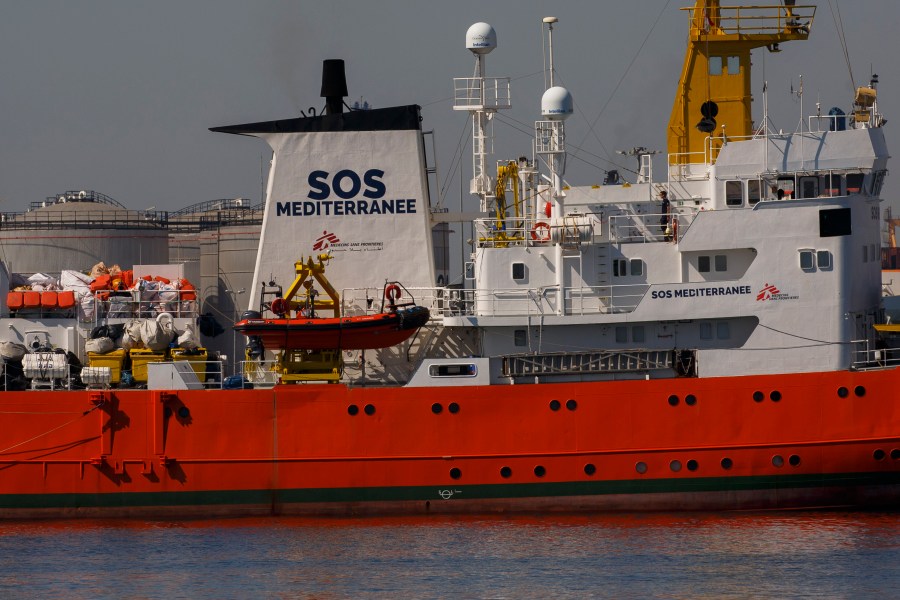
x=621, y=334
x=854, y=183
x=637, y=334
x=715, y=65
x=734, y=65
x=865, y=253
x=721, y=262
x=619, y=267
x=454, y=370
x=723, y=331
x=834, y=222
x=520, y=336
x=753, y=193
x=518, y=271
x=806, y=260
x=734, y=195
x=703, y=264
x=637, y=266
x=705, y=331
x=823, y=259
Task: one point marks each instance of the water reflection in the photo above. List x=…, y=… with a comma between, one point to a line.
x=775, y=555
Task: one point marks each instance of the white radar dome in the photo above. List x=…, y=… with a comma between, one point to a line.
x=556, y=104
x=481, y=38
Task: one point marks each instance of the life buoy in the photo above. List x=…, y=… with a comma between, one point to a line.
x=540, y=232
x=392, y=293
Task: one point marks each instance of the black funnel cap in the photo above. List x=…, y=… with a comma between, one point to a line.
x=334, y=85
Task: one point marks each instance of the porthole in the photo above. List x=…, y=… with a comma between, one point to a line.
x=758, y=396
x=778, y=460
x=590, y=469
x=895, y=454
x=727, y=463
x=436, y=408
x=453, y=407
x=843, y=392
x=554, y=405
x=675, y=465
x=370, y=409
x=641, y=467
x=455, y=473
x=859, y=391
x=673, y=400
x=571, y=404
x=775, y=396
x=692, y=465
x=794, y=460
x=505, y=472
x=878, y=454
x=540, y=471
x=184, y=412
x=690, y=399
x=352, y=410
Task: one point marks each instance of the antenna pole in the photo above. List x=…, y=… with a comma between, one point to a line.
x=550, y=44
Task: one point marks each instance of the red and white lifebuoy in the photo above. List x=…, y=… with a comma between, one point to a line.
x=540, y=232
x=392, y=293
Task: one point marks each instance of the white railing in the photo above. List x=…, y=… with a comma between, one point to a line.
x=481, y=93
x=133, y=304
x=642, y=228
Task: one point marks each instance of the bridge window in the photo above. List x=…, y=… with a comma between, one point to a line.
x=834, y=222
x=520, y=337
x=807, y=262
x=753, y=192
x=823, y=259
x=734, y=65
x=715, y=65
x=832, y=184
x=621, y=334
x=619, y=267
x=734, y=194
x=453, y=370
x=721, y=262
x=637, y=266
x=703, y=264
x=518, y=271
x=854, y=183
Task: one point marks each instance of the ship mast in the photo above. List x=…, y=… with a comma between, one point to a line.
x=550, y=141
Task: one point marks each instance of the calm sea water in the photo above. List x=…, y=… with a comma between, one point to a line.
x=764, y=555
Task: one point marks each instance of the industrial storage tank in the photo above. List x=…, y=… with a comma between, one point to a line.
x=217, y=241
x=77, y=229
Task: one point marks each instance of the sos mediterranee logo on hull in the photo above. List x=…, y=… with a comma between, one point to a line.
x=346, y=193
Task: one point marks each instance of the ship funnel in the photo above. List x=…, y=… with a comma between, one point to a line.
x=334, y=85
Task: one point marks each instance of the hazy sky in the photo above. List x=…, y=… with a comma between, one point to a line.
x=117, y=96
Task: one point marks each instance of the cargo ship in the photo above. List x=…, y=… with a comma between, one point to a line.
x=713, y=339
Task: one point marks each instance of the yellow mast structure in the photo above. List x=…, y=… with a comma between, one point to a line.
x=713, y=99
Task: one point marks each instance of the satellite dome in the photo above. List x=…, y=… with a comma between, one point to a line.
x=556, y=104
x=481, y=38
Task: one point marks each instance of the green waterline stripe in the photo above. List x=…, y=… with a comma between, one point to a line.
x=432, y=492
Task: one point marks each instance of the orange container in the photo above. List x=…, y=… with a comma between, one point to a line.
x=14, y=300
x=48, y=300
x=31, y=299
x=65, y=299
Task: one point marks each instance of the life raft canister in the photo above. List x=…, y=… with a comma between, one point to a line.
x=540, y=232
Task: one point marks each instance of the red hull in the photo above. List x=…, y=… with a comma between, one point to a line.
x=364, y=332
x=298, y=449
